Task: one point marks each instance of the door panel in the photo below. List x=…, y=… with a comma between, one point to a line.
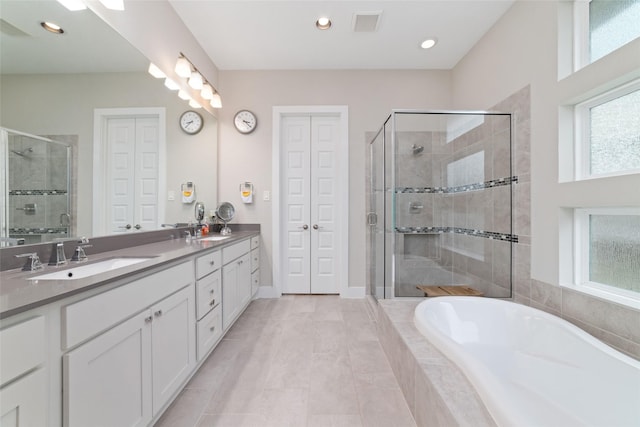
x=121, y=151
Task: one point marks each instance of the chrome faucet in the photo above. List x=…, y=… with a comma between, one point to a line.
x=60, y=258
x=33, y=263
x=79, y=255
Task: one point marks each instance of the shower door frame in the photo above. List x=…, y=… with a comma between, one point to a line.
x=390, y=246
x=4, y=178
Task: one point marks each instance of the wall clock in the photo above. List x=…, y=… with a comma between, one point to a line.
x=245, y=121
x=191, y=122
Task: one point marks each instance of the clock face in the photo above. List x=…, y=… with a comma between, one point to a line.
x=191, y=122
x=245, y=121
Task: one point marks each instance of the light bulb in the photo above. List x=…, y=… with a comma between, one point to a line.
x=155, y=71
x=216, y=101
x=170, y=84
x=183, y=95
x=183, y=67
x=194, y=104
x=207, y=91
x=195, y=81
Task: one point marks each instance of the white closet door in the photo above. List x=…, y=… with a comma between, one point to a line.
x=147, y=173
x=121, y=140
x=296, y=162
x=309, y=146
x=324, y=197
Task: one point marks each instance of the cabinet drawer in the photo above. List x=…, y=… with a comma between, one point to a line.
x=209, y=331
x=21, y=348
x=255, y=242
x=255, y=259
x=209, y=293
x=208, y=263
x=86, y=318
x=235, y=251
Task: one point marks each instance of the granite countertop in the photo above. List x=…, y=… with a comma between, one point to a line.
x=18, y=293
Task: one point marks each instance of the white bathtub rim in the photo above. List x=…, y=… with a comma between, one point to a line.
x=503, y=413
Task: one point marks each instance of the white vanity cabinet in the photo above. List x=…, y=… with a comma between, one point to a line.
x=208, y=301
x=23, y=379
x=236, y=281
x=140, y=349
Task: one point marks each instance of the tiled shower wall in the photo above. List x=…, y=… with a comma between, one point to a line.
x=461, y=231
x=39, y=177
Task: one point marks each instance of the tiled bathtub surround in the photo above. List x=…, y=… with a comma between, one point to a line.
x=437, y=392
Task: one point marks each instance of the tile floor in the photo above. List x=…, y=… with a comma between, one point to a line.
x=293, y=362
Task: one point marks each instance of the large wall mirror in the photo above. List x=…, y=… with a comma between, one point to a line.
x=63, y=95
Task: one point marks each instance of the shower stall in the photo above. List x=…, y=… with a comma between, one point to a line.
x=35, y=183
x=440, y=204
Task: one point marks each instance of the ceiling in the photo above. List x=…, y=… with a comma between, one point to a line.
x=269, y=35
x=255, y=35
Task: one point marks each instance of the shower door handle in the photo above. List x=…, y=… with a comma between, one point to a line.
x=372, y=218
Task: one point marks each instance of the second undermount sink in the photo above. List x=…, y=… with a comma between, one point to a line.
x=213, y=238
x=87, y=270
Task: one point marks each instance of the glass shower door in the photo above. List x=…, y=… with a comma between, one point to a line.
x=375, y=218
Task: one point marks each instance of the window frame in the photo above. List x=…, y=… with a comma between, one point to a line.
x=582, y=131
x=582, y=257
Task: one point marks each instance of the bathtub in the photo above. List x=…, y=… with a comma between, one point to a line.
x=531, y=368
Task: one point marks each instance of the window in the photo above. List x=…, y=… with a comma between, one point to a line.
x=608, y=133
x=603, y=26
x=608, y=249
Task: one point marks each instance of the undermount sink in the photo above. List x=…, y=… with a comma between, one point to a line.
x=213, y=238
x=87, y=270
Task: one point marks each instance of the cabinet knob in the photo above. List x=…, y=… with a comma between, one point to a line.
x=212, y=262
x=148, y=319
x=158, y=313
x=212, y=303
x=213, y=328
x=240, y=262
x=211, y=292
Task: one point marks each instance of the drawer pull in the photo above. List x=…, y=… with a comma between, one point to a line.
x=212, y=262
x=240, y=262
x=211, y=292
x=158, y=313
x=212, y=303
x=148, y=319
x=213, y=328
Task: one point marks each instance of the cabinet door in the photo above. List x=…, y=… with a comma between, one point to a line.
x=244, y=281
x=230, y=303
x=24, y=402
x=107, y=381
x=173, y=344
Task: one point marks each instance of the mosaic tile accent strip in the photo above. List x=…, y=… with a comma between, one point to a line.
x=37, y=192
x=460, y=189
x=469, y=232
x=38, y=230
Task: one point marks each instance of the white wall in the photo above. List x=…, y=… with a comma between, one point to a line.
x=64, y=105
x=369, y=95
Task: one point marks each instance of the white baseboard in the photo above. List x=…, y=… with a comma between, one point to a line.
x=353, y=293
x=266, y=292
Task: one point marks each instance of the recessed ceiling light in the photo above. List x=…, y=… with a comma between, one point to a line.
x=429, y=43
x=51, y=27
x=323, y=23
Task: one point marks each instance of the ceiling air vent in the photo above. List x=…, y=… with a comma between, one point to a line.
x=366, y=22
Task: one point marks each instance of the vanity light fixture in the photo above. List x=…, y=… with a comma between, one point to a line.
x=156, y=72
x=195, y=81
x=429, y=43
x=183, y=67
x=170, y=84
x=183, y=95
x=73, y=5
x=194, y=104
x=52, y=28
x=323, y=23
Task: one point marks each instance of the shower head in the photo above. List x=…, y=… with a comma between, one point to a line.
x=417, y=149
x=22, y=153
